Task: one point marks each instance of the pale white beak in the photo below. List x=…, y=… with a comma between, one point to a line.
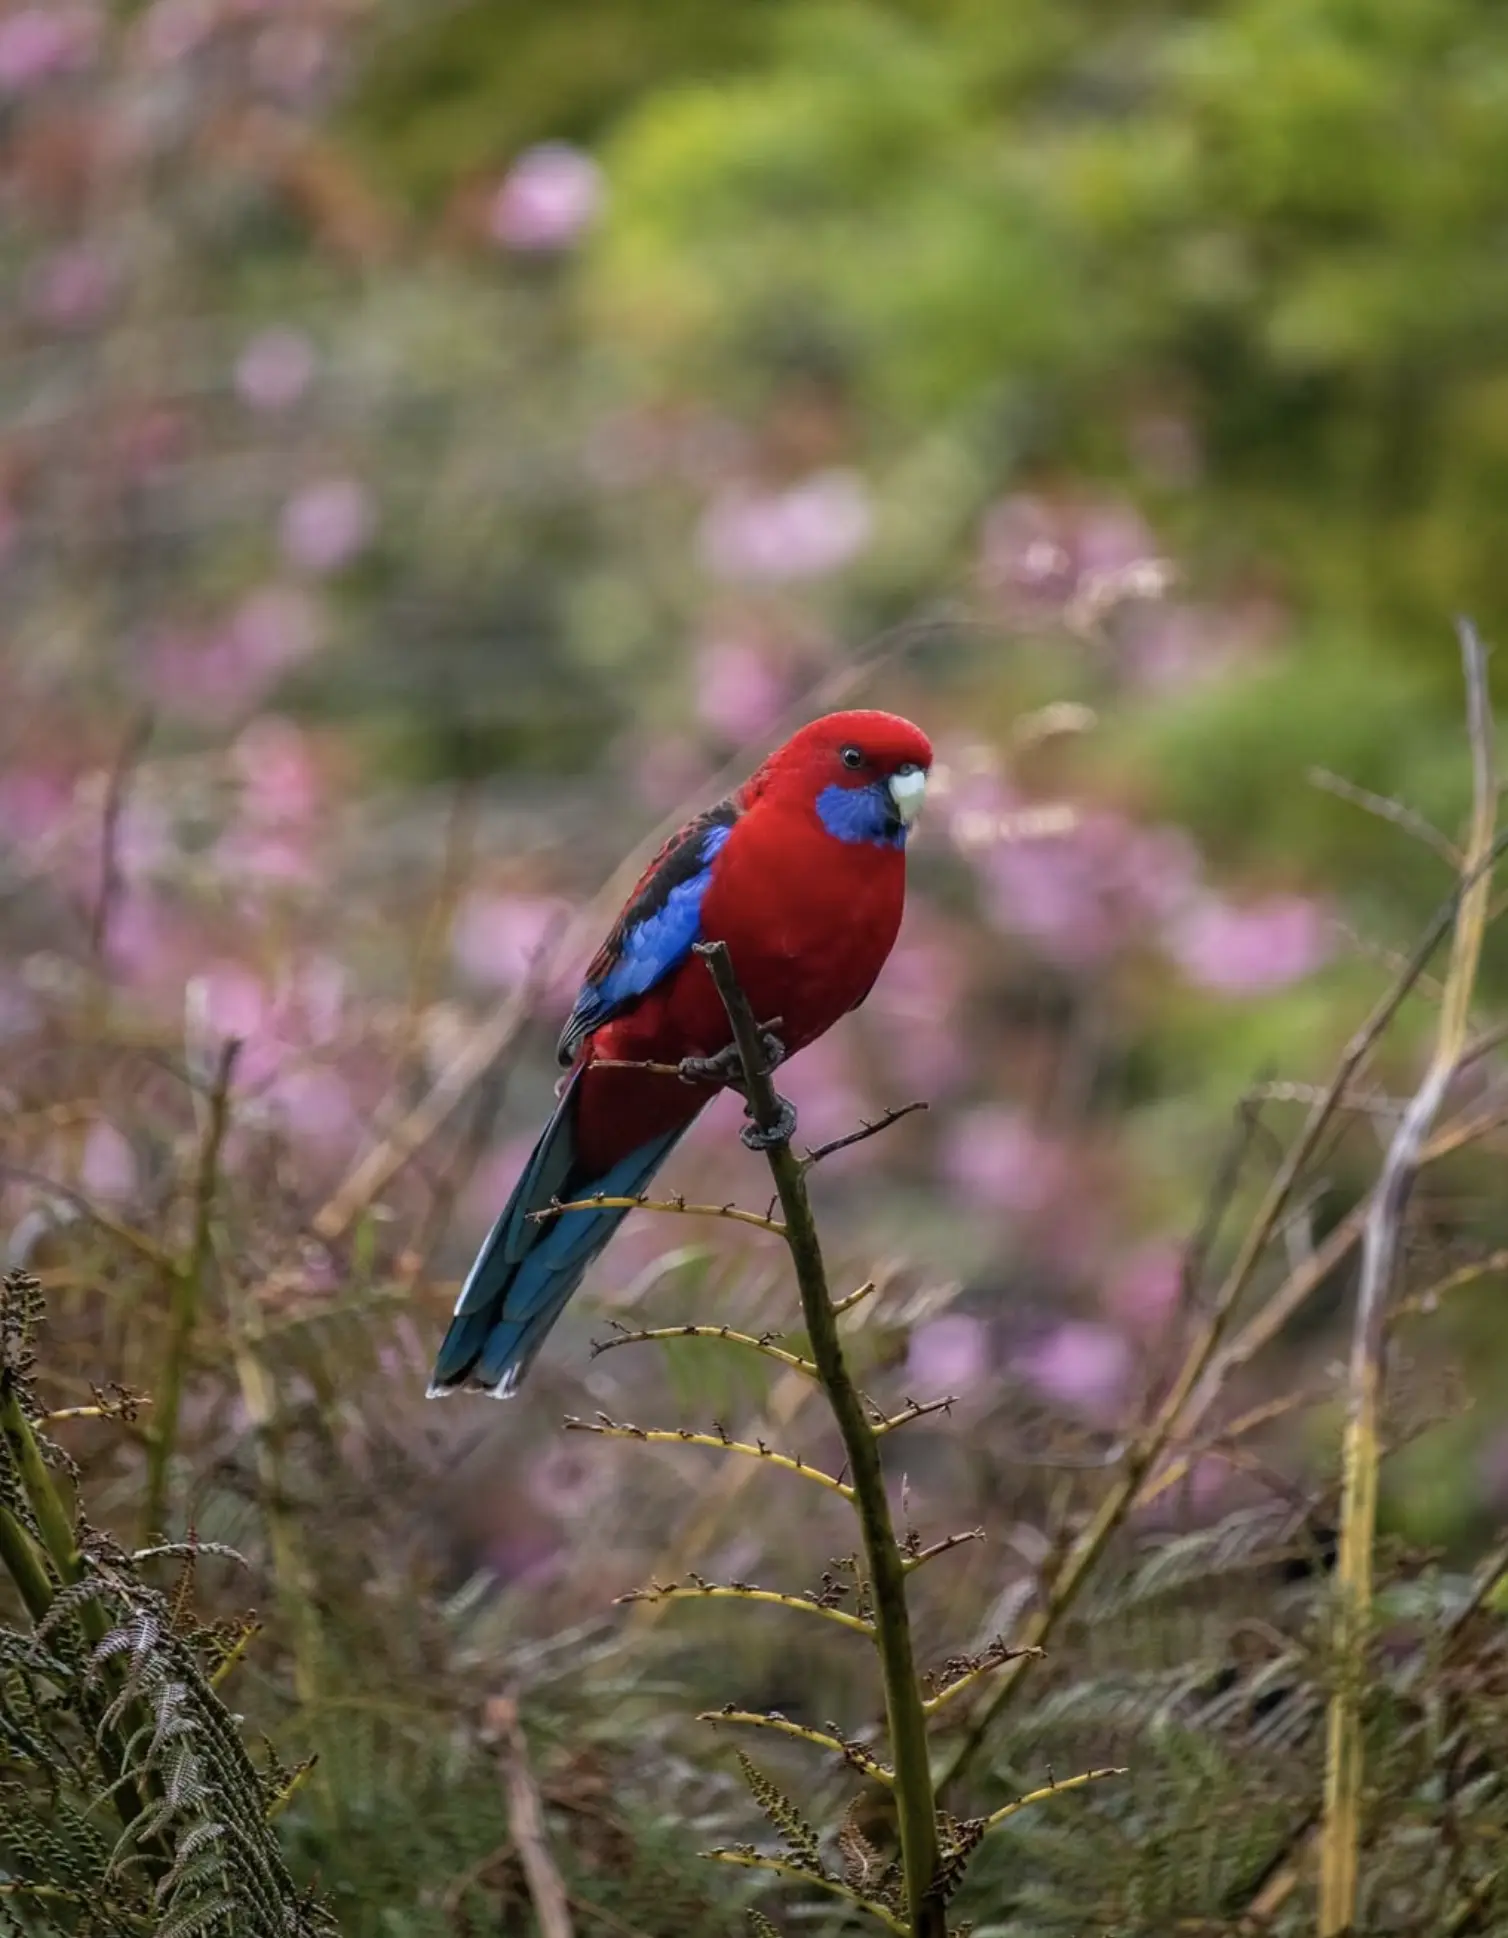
x=908, y=789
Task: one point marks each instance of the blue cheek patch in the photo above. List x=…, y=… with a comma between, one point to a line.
x=861, y=814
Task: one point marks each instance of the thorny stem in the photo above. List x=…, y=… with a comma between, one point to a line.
x=915, y=1803
x=720, y=1443
x=188, y=1280
x=821, y=1739
x=750, y=1860
x=1340, y=1838
x=743, y=1591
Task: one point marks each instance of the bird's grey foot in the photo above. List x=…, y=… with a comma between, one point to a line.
x=721, y=1068
x=727, y=1066
x=780, y=1132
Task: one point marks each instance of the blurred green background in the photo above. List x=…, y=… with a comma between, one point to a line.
x=438, y=443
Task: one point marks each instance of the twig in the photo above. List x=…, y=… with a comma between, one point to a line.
x=1386, y=809
x=720, y=1443
x=753, y=1860
x=852, y=1754
x=913, y=1410
x=761, y=1343
x=107, y=893
x=742, y=1591
x=1055, y=1789
x=674, y=1207
x=526, y=1822
x=988, y=1660
x=918, y=1557
x=915, y=1806
x=856, y=1297
x=1340, y=1837
x=866, y=1130
x=188, y=1285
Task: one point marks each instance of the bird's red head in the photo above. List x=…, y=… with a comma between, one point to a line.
x=864, y=773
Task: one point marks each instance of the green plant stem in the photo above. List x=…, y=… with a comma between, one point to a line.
x=915, y=1803
x=24, y=1566
x=1341, y=1831
x=31, y=1579
x=188, y=1282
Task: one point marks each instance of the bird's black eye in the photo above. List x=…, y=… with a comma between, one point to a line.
x=852, y=757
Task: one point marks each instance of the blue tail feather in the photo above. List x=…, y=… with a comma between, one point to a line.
x=528, y=1269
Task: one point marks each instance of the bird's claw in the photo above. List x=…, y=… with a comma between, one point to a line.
x=727, y=1066
x=780, y=1132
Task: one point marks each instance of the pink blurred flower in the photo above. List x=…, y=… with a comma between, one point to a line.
x=917, y=1000
x=212, y=676
x=1237, y=950
x=1039, y=554
x=327, y=524
x=70, y=289
x=36, y=803
x=1083, y=893
x=173, y=29
x=807, y=531
x=277, y=1026
x=37, y=43
x=279, y=775
x=275, y=369
x=739, y=695
x=144, y=943
x=291, y=57
x=108, y=1170
x=313, y=1103
x=201, y=676
x=949, y=1355
x=1144, y=1292
x=1081, y=1365
x=233, y=1002
x=275, y=628
x=496, y=939
x=995, y=1157
x=548, y=199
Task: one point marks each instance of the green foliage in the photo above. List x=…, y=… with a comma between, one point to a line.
x=110, y=1708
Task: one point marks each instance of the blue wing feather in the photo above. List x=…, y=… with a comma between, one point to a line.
x=528, y=1269
x=656, y=930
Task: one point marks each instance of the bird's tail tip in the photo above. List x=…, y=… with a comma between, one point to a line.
x=503, y=1389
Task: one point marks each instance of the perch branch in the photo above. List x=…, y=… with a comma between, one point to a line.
x=915, y=1805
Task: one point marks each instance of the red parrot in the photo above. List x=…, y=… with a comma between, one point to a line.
x=802, y=873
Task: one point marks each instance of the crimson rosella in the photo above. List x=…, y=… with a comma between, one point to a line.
x=802, y=874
